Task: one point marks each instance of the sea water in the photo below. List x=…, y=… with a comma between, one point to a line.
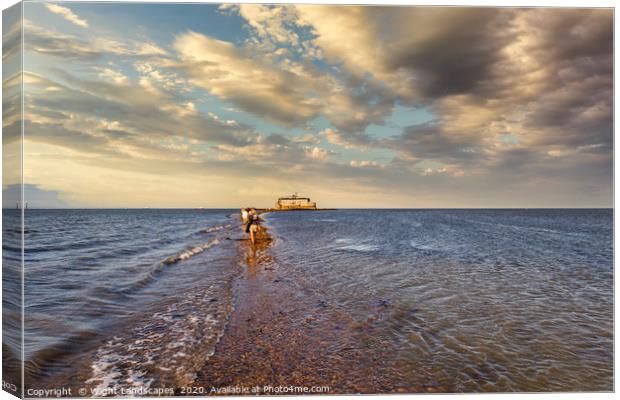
x=468, y=300
x=123, y=291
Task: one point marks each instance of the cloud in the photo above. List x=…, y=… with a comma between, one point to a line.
x=53, y=43
x=431, y=142
x=366, y=164
x=521, y=98
x=474, y=66
x=67, y=14
x=417, y=55
x=246, y=80
x=527, y=81
x=11, y=39
x=11, y=107
x=115, y=123
x=317, y=153
x=256, y=79
x=346, y=139
x=270, y=23
x=449, y=51
x=104, y=117
x=46, y=41
x=117, y=118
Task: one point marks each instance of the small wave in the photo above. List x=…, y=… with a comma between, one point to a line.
x=360, y=247
x=145, y=278
x=215, y=228
x=167, y=349
x=426, y=247
x=184, y=255
x=351, y=245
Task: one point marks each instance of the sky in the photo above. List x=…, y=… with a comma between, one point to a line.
x=221, y=106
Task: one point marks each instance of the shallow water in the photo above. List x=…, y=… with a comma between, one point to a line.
x=468, y=300
x=460, y=300
x=127, y=289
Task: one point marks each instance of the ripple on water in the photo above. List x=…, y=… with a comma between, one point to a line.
x=480, y=300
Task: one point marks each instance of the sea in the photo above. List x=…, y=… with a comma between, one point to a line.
x=474, y=300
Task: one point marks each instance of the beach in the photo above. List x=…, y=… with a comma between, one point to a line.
x=180, y=302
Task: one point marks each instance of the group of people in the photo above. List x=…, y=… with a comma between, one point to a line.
x=250, y=219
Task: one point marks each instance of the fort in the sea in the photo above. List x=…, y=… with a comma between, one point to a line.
x=295, y=202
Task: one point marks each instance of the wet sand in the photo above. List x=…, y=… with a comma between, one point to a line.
x=284, y=334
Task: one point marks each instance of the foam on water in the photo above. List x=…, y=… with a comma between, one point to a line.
x=184, y=255
x=360, y=247
x=215, y=228
x=164, y=350
x=353, y=244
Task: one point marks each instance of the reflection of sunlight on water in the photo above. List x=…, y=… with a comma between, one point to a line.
x=256, y=255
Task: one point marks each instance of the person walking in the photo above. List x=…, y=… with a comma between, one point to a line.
x=252, y=226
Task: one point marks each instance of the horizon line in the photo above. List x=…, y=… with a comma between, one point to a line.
x=329, y=209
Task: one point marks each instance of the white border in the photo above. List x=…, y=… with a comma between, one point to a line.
x=484, y=3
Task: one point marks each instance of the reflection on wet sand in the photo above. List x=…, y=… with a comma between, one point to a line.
x=256, y=255
x=283, y=333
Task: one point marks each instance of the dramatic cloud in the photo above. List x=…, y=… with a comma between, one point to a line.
x=247, y=80
x=482, y=71
x=67, y=14
x=287, y=92
x=518, y=102
x=100, y=113
x=485, y=73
